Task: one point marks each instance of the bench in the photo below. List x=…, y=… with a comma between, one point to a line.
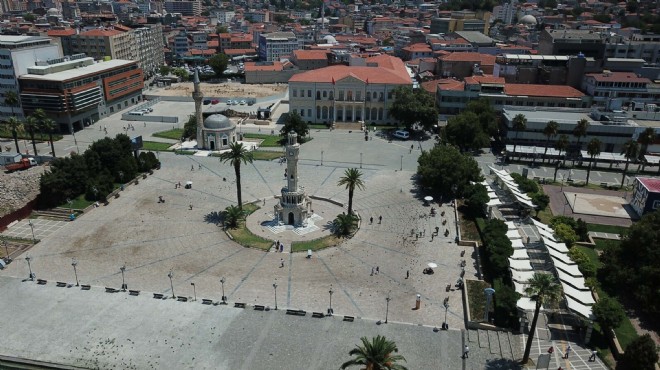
x=85, y=287
x=239, y=305
x=259, y=307
x=349, y=318
x=207, y=301
x=296, y=312
x=182, y=298
x=604, y=184
x=41, y=281
x=158, y=296
x=318, y=315
x=61, y=284
x=110, y=290
x=134, y=292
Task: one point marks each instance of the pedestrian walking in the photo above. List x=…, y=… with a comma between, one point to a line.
x=190, y=206
x=372, y=271
x=145, y=124
x=192, y=167
x=466, y=351
x=377, y=270
x=551, y=350
x=281, y=262
x=568, y=351
x=411, y=148
x=380, y=219
x=593, y=356
x=371, y=220
x=281, y=247
x=407, y=274
x=200, y=166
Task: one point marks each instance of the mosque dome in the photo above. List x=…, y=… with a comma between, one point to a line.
x=218, y=122
x=329, y=39
x=528, y=19
x=53, y=12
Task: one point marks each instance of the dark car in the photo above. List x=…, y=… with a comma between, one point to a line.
x=207, y=101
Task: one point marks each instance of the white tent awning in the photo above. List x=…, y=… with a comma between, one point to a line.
x=577, y=307
x=513, y=234
x=583, y=296
x=520, y=265
x=576, y=282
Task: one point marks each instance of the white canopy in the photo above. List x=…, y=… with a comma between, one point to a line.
x=510, y=225
x=520, y=265
x=572, y=270
x=492, y=195
x=605, y=156
x=577, y=307
x=523, y=149
x=652, y=159
x=525, y=202
x=520, y=287
x=541, y=225
x=559, y=247
x=494, y=202
x=517, y=244
x=582, y=296
x=547, y=235
x=513, y=234
x=522, y=276
x=520, y=254
x=527, y=304
x=558, y=256
x=576, y=282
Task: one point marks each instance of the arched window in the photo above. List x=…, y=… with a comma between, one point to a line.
x=324, y=112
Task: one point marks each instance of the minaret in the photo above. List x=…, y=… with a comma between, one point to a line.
x=292, y=151
x=197, y=97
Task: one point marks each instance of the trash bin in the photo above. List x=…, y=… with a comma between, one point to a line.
x=418, y=301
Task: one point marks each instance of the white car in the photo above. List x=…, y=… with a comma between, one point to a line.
x=230, y=102
x=401, y=134
x=243, y=102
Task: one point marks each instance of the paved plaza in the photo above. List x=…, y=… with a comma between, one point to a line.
x=597, y=204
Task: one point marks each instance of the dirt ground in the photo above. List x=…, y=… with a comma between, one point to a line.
x=223, y=90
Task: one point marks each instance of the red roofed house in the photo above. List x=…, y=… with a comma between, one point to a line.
x=310, y=59
x=625, y=86
x=646, y=195
x=353, y=93
x=416, y=51
x=461, y=64
x=269, y=72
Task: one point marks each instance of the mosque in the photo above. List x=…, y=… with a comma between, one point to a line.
x=217, y=132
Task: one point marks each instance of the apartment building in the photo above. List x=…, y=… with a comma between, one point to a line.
x=274, y=45
x=571, y=42
x=626, y=87
x=149, y=43
x=349, y=93
x=463, y=20
x=102, y=43
x=16, y=54
x=185, y=7
x=77, y=91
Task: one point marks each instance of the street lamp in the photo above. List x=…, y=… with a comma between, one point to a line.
x=330, y=312
x=74, y=263
x=574, y=200
x=562, y=182
x=4, y=243
x=123, y=283
x=360, y=160
x=28, y=259
x=224, y=299
x=34, y=240
x=387, y=306
x=170, y=275
x=446, y=304
x=275, y=288
x=321, y=158
x=401, y=168
x=194, y=292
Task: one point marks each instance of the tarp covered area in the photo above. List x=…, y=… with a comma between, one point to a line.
x=520, y=265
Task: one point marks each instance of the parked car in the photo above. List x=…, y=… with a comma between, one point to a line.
x=401, y=134
x=207, y=101
x=215, y=101
x=242, y=102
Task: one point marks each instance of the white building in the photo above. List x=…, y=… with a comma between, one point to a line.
x=274, y=45
x=505, y=12
x=225, y=16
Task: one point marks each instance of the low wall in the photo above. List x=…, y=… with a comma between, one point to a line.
x=149, y=118
x=18, y=214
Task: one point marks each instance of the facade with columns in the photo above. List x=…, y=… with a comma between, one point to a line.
x=349, y=93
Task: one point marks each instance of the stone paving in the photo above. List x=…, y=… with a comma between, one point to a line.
x=42, y=228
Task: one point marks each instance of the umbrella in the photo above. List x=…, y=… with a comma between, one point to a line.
x=188, y=182
x=432, y=265
x=428, y=198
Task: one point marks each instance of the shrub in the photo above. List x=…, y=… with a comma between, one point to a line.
x=566, y=234
x=505, y=302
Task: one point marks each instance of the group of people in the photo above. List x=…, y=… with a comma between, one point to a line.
x=279, y=247
x=380, y=219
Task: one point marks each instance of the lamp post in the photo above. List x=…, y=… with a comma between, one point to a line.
x=74, y=263
x=34, y=240
x=446, y=304
x=387, y=306
x=360, y=160
x=401, y=168
x=224, y=299
x=562, y=182
x=170, y=275
x=275, y=288
x=330, y=312
x=4, y=243
x=28, y=259
x=194, y=291
x=123, y=282
x=574, y=200
x=321, y=157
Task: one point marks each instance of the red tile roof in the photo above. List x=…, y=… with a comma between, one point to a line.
x=58, y=33
x=450, y=84
x=554, y=91
x=252, y=66
x=652, y=184
x=389, y=70
x=485, y=79
x=416, y=48
x=311, y=54
x=483, y=59
x=231, y=52
x=101, y=33
x=618, y=77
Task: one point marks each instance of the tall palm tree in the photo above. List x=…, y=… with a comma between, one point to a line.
x=580, y=131
x=519, y=123
x=550, y=131
x=562, y=145
x=352, y=179
x=16, y=126
x=645, y=139
x=30, y=125
x=542, y=288
x=231, y=216
x=48, y=125
x=344, y=224
x=236, y=155
x=376, y=354
x=593, y=148
x=630, y=151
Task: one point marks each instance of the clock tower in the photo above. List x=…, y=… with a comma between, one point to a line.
x=294, y=206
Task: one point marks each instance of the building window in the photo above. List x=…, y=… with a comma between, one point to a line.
x=302, y=113
x=295, y=93
x=309, y=93
x=325, y=94
x=309, y=112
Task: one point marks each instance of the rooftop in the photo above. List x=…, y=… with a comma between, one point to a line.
x=617, y=77
x=556, y=91
x=101, y=33
x=559, y=116
x=17, y=41
x=651, y=184
x=80, y=72
x=475, y=37
x=387, y=70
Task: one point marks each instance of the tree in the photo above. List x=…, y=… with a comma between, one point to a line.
x=585, y=265
x=231, y=216
x=344, y=224
x=487, y=115
x=580, y=131
x=30, y=125
x=541, y=201
x=593, y=148
x=519, y=123
x=562, y=145
x=164, y=70
x=641, y=354
x=566, y=234
x=376, y=354
x=542, y=288
x=630, y=151
x=352, y=179
x=293, y=122
x=465, y=131
x=447, y=171
x=182, y=73
x=609, y=312
x=476, y=197
x=221, y=29
x=45, y=124
x=219, y=63
x=550, y=131
x=29, y=17
x=15, y=126
x=236, y=155
x=190, y=127
x=646, y=138
x=413, y=107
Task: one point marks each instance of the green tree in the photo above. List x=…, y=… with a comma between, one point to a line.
x=377, y=354
x=190, y=127
x=466, y=132
x=476, y=197
x=487, y=115
x=293, y=122
x=231, y=216
x=236, y=155
x=11, y=100
x=30, y=125
x=45, y=124
x=593, y=148
x=29, y=17
x=541, y=201
x=586, y=266
x=609, y=312
x=445, y=170
x=641, y=354
x=15, y=126
x=344, y=224
x=221, y=29
x=542, y=289
x=549, y=131
x=352, y=179
x=566, y=234
x=631, y=152
x=413, y=107
x=219, y=63
x=518, y=123
x=646, y=138
x=562, y=145
x=183, y=74
x=164, y=70
x=580, y=131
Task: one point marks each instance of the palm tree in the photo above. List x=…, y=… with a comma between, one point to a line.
x=542, y=288
x=579, y=131
x=375, y=355
x=231, y=216
x=48, y=125
x=519, y=123
x=30, y=125
x=550, y=131
x=593, y=148
x=630, y=151
x=344, y=224
x=645, y=139
x=237, y=153
x=16, y=126
x=562, y=144
x=352, y=179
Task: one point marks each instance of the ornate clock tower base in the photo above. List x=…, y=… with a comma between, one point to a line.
x=294, y=206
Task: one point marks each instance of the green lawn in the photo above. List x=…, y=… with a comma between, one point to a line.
x=156, y=146
x=245, y=237
x=591, y=253
x=260, y=155
x=174, y=134
x=78, y=203
x=318, y=127
x=184, y=152
x=602, y=244
x=476, y=298
x=316, y=244
x=607, y=228
x=268, y=140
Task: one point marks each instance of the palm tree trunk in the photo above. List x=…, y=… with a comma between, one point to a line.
x=34, y=144
x=52, y=147
x=350, y=200
x=532, y=329
x=545, y=152
x=589, y=171
x=237, y=169
x=15, y=135
x=625, y=169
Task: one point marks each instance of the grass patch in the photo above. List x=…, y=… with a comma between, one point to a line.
x=602, y=244
x=78, y=203
x=468, y=227
x=316, y=244
x=545, y=215
x=618, y=230
x=156, y=146
x=318, y=127
x=261, y=155
x=268, y=140
x=591, y=253
x=184, y=152
x=174, y=134
x=243, y=236
x=476, y=298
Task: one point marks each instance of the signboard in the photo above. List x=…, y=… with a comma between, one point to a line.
x=136, y=143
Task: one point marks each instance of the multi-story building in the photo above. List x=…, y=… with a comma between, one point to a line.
x=649, y=50
x=101, y=43
x=571, y=42
x=76, y=91
x=416, y=51
x=16, y=54
x=505, y=12
x=234, y=41
x=349, y=93
x=185, y=7
x=465, y=64
x=225, y=16
x=543, y=69
x=463, y=20
x=149, y=44
x=181, y=44
x=274, y=45
x=310, y=59
x=626, y=87
x=199, y=40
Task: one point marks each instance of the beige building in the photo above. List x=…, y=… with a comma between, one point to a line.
x=101, y=43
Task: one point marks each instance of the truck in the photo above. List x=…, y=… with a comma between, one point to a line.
x=23, y=164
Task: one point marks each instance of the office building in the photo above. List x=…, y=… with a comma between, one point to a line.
x=186, y=8
x=273, y=46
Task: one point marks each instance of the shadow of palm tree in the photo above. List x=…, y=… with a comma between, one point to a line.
x=502, y=363
x=213, y=217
